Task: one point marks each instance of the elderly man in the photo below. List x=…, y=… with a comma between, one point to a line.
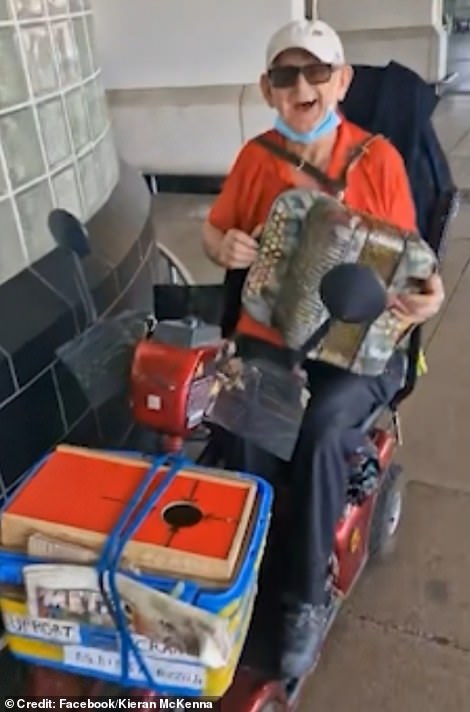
x=306, y=77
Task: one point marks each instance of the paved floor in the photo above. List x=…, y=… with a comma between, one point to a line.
x=459, y=61
x=403, y=640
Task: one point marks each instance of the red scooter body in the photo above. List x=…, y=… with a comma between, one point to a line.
x=171, y=387
x=353, y=529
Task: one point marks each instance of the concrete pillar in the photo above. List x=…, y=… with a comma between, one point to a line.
x=186, y=43
x=375, y=32
x=182, y=75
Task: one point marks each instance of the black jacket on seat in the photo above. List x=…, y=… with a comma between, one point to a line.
x=396, y=102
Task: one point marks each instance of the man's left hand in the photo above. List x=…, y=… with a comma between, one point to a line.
x=418, y=308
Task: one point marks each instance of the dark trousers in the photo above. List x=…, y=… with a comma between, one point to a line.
x=319, y=470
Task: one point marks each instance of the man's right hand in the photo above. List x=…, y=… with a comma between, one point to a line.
x=237, y=249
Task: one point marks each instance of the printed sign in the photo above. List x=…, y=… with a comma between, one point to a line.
x=163, y=672
x=45, y=628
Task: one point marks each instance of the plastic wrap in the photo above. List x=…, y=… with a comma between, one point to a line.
x=100, y=358
x=261, y=402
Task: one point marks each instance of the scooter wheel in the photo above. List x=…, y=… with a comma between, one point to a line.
x=272, y=706
x=387, y=515
x=252, y=692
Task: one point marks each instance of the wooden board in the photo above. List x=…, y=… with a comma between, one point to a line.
x=78, y=494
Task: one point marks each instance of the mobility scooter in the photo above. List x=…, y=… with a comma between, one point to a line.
x=367, y=530
x=164, y=368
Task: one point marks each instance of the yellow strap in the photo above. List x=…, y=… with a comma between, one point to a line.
x=422, y=367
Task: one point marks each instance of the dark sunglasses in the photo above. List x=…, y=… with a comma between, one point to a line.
x=284, y=77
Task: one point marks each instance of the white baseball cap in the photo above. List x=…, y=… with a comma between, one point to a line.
x=315, y=37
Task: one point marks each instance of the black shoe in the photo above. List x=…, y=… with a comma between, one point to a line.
x=304, y=628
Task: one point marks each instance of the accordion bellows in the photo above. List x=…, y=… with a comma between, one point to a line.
x=306, y=234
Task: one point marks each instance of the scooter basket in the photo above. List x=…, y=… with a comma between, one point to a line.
x=113, y=650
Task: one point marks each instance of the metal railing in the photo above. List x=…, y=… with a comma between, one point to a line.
x=170, y=269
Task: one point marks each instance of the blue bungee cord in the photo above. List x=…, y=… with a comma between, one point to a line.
x=108, y=562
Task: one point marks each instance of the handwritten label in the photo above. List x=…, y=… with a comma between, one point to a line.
x=45, y=628
x=154, y=649
x=163, y=672
x=67, y=632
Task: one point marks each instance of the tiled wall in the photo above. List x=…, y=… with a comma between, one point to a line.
x=56, y=145
x=57, y=150
x=41, y=402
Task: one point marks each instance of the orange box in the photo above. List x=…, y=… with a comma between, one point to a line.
x=196, y=529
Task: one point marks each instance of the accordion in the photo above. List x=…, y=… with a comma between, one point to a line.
x=306, y=234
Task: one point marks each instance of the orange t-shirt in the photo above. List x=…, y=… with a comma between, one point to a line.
x=377, y=184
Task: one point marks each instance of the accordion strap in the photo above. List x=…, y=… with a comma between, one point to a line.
x=336, y=186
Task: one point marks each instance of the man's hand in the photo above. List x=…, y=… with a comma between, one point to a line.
x=418, y=308
x=237, y=249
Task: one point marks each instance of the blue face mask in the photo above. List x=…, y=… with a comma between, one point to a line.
x=326, y=125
